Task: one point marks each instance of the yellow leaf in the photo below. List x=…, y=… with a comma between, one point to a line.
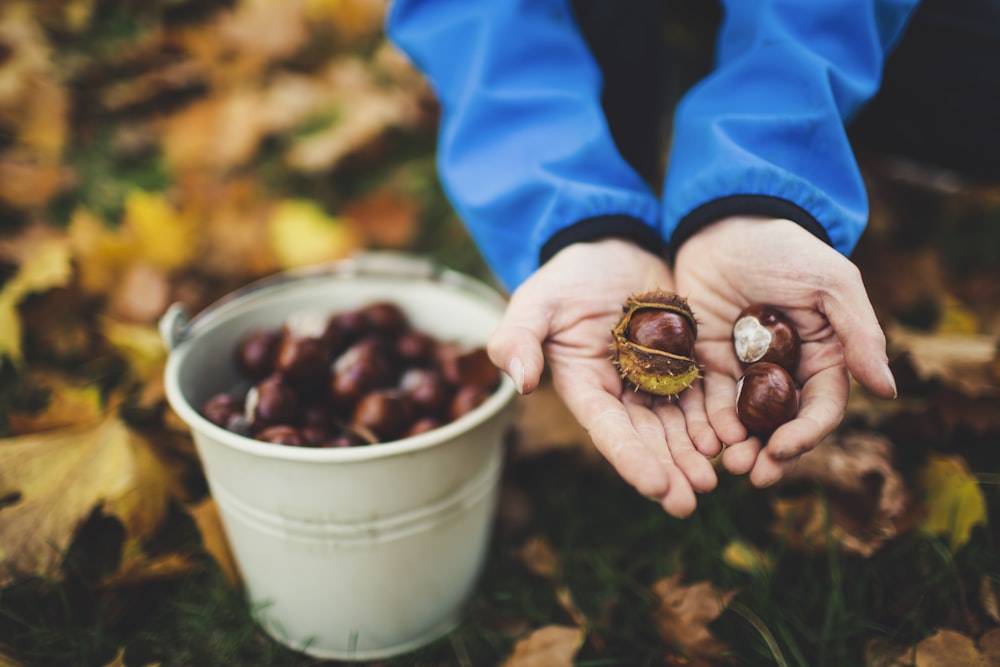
x=47, y=267
x=140, y=344
x=302, y=234
x=101, y=253
x=58, y=478
x=954, y=501
x=70, y=404
x=745, y=557
x=165, y=236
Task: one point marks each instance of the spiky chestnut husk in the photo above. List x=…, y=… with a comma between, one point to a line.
x=656, y=371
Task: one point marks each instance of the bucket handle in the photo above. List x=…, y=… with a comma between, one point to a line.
x=175, y=325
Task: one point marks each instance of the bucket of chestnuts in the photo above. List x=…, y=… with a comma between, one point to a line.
x=350, y=427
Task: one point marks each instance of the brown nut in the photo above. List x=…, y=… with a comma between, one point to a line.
x=271, y=401
x=387, y=413
x=385, y=317
x=427, y=389
x=765, y=398
x=465, y=400
x=302, y=360
x=664, y=330
x=221, y=408
x=463, y=365
x=282, y=434
x=665, y=320
x=764, y=333
x=366, y=365
x=256, y=351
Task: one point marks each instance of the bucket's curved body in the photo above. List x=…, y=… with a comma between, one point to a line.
x=353, y=553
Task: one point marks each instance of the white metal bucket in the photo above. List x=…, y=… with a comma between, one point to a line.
x=354, y=553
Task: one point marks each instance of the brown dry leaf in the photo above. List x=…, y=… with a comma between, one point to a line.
x=947, y=648
x=57, y=479
x=550, y=646
x=868, y=500
x=213, y=537
x=241, y=42
x=119, y=661
x=684, y=614
x=70, y=402
x=989, y=599
x=27, y=182
x=539, y=557
x=385, y=219
x=140, y=344
x=353, y=20
x=141, y=294
x=101, y=253
x=989, y=646
x=219, y=132
x=954, y=501
x=138, y=567
x=365, y=111
x=959, y=361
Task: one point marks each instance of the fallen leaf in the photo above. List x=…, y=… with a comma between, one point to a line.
x=867, y=499
x=48, y=266
x=70, y=402
x=539, y=557
x=213, y=537
x=989, y=599
x=953, y=499
x=302, y=234
x=746, y=557
x=385, y=219
x=960, y=361
x=544, y=424
x=550, y=646
x=141, y=294
x=684, y=613
x=947, y=648
x=165, y=236
x=140, y=344
x=55, y=480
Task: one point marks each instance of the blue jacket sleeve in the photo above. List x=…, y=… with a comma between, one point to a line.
x=524, y=151
x=764, y=133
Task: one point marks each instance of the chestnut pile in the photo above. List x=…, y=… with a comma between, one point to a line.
x=362, y=377
x=768, y=346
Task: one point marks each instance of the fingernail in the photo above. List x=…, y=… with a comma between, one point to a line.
x=892, y=381
x=515, y=369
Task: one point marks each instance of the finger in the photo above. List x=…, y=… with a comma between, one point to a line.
x=516, y=344
x=720, y=406
x=679, y=499
x=822, y=405
x=851, y=315
x=767, y=470
x=696, y=467
x=610, y=427
x=702, y=435
x=739, y=458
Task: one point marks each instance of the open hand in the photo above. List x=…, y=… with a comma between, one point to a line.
x=564, y=313
x=742, y=260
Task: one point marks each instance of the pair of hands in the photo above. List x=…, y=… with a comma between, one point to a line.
x=564, y=314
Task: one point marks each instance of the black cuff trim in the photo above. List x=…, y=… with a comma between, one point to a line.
x=764, y=205
x=605, y=226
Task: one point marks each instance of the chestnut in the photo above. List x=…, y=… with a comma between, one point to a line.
x=282, y=434
x=255, y=353
x=763, y=333
x=663, y=330
x=385, y=317
x=303, y=360
x=426, y=388
x=416, y=348
x=271, y=401
x=221, y=408
x=386, y=413
x=364, y=366
x=423, y=425
x=462, y=365
x=765, y=398
x=465, y=400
